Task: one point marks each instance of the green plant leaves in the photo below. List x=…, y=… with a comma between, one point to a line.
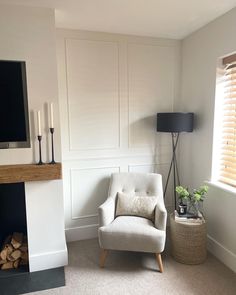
x=198, y=195
x=182, y=192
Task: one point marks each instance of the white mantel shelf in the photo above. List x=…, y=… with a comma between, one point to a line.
x=29, y=172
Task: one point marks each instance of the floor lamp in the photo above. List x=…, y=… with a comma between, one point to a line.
x=174, y=123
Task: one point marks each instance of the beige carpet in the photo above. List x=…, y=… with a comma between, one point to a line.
x=128, y=273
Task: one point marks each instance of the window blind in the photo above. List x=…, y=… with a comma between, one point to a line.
x=227, y=173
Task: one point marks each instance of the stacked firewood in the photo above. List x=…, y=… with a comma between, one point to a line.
x=14, y=251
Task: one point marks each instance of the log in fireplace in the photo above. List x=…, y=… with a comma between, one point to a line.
x=14, y=251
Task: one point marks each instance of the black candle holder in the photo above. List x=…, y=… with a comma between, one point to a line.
x=52, y=132
x=40, y=150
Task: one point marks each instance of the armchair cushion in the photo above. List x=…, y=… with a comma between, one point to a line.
x=132, y=233
x=142, y=206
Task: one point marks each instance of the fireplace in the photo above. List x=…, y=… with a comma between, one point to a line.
x=31, y=203
x=13, y=229
x=34, y=191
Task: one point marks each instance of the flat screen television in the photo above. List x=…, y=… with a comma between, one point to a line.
x=14, y=117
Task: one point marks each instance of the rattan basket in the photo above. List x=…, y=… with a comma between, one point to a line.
x=188, y=241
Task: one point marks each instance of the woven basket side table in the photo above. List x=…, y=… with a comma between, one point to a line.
x=188, y=241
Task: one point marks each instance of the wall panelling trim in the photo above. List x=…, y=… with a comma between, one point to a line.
x=110, y=88
x=89, y=189
x=92, y=71
x=150, y=89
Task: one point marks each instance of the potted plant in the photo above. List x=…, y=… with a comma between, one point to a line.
x=183, y=197
x=193, y=199
x=196, y=198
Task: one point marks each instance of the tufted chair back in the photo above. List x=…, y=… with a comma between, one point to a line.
x=139, y=184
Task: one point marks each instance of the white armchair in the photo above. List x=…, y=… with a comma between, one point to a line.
x=132, y=233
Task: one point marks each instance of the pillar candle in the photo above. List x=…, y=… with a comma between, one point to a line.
x=51, y=115
x=39, y=124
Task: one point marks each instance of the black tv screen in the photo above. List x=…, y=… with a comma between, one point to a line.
x=14, y=119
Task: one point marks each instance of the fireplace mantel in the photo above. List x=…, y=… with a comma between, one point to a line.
x=29, y=172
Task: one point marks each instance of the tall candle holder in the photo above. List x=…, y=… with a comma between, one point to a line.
x=40, y=150
x=52, y=132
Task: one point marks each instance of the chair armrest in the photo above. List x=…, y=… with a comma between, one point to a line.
x=106, y=212
x=160, y=216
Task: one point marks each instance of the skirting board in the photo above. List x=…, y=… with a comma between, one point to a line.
x=48, y=260
x=223, y=254
x=82, y=233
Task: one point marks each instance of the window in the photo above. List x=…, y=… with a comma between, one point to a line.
x=224, y=154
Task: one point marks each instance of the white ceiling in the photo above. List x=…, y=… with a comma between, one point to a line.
x=158, y=18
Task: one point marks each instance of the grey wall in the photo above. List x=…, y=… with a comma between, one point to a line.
x=200, y=53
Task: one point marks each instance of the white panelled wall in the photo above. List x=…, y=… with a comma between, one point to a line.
x=110, y=88
x=28, y=34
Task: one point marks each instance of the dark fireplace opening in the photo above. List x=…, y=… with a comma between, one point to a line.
x=13, y=230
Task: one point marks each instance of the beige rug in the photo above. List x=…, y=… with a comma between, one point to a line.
x=128, y=273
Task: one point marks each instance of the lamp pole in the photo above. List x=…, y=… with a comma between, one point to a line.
x=173, y=164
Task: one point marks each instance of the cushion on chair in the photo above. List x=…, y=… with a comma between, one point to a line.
x=132, y=233
x=142, y=206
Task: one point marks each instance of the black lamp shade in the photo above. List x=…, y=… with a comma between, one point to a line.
x=175, y=122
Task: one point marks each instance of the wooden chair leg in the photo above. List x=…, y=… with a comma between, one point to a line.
x=103, y=257
x=159, y=261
